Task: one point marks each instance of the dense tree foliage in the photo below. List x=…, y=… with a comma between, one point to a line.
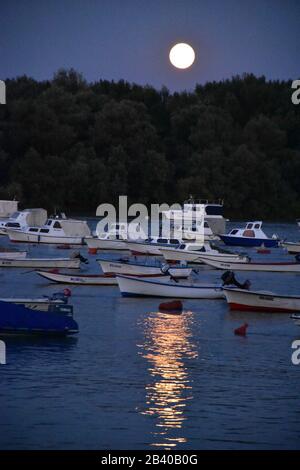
x=70, y=145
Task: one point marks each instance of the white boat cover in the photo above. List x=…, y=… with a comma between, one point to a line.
x=75, y=228
x=7, y=208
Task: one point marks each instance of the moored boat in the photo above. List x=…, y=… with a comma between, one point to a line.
x=20, y=220
x=133, y=267
x=276, y=267
x=68, y=263
x=251, y=235
x=183, y=253
x=57, y=230
x=22, y=319
x=292, y=247
x=152, y=245
x=86, y=279
x=261, y=301
x=138, y=287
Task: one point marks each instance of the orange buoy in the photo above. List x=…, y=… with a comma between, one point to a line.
x=92, y=251
x=174, y=306
x=242, y=330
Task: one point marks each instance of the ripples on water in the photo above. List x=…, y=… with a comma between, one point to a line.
x=136, y=378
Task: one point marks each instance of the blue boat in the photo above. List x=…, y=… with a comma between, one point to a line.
x=251, y=235
x=19, y=319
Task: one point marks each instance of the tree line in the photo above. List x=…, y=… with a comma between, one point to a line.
x=67, y=144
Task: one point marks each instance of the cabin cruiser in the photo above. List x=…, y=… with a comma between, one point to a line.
x=152, y=245
x=192, y=231
x=57, y=230
x=193, y=253
x=22, y=219
x=115, y=237
x=251, y=235
x=197, y=209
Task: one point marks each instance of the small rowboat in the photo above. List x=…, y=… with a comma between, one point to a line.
x=260, y=301
x=68, y=263
x=86, y=280
x=292, y=248
x=132, y=267
x=193, y=256
x=141, y=287
x=252, y=266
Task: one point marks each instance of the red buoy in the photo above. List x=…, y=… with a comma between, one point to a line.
x=242, y=330
x=92, y=251
x=174, y=306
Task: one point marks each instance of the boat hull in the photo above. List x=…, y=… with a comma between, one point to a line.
x=249, y=241
x=292, y=248
x=67, y=263
x=196, y=257
x=18, y=236
x=19, y=320
x=138, y=269
x=133, y=287
x=248, y=301
x=98, y=244
x=87, y=280
x=261, y=267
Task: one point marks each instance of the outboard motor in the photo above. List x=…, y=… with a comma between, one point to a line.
x=228, y=279
x=165, y=270
x=77, y=254
x=298, y=258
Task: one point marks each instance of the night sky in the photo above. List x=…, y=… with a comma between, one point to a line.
x=130, y=39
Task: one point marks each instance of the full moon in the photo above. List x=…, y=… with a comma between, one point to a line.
x=182, y=55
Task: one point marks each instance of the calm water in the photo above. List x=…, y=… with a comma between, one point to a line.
x=135, y=378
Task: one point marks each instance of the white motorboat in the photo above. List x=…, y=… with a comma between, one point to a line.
x=133, y=267
x=68, y=263
x=115, y=237
x=86, y=280
x=292, y=247
x=139, y=287
x=195, y=209
x=152, y=245
x=278, y=267
x=193, y=253
x=106, y=241
x=193, y=232
x=9, y=253
x=57, y=230
x=20, y=220
x=261, y=301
